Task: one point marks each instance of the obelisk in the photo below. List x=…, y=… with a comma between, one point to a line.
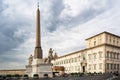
x=38, y=49
x=37, y=64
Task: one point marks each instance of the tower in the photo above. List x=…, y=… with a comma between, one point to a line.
x=38, y=49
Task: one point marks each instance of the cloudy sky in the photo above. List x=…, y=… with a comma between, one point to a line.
x=65, y=26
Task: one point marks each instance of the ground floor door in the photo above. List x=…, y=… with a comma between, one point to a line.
x=83, y=68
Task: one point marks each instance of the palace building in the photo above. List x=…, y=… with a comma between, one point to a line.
x=102, y=54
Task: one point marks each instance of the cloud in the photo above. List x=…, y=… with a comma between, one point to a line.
x=92, y=20
x=14, y=31
x=71, y=13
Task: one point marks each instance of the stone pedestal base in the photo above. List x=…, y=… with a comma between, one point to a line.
x=45, y=69
x=39, y=67
x=42, y=69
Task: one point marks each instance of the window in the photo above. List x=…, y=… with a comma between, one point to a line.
x=100, y=66
x=89, y=56
x=110, y=38
x=76, y=59
x=111, y=55
x=111, y=66
x=94, y=66
x=114, y=55
x=117, y=42
x=94, y=55
x=108, y=66
x=72, y=60
x=117, y=55
x=114, y=42
x=62, y=62
x=69, y=60
x=108, y=54
x=100, y=39
x=100, y=54
x=117, y=66
x=94, y=43
x=83, y=56
x=89, y=67
x=106, y=37
x=89, y=43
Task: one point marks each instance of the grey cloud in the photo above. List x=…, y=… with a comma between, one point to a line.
x=8, y=37
x=88, y=14
x=85, y=16
x=10, y=59
x=2, y=6
x=15, y=28
x=55, y=8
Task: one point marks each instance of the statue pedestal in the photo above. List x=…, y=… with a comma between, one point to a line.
x=41, y=68
x=45, y=69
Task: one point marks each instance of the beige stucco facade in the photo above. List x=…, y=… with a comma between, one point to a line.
x=102, y=54
x=13, y=72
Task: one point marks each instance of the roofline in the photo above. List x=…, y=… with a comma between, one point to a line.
x=102, y=33
x=13, y=70
x=71, y=53
x=105, y=44
x=87, y=49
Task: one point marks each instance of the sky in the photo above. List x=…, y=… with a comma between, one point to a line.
x=65, y=24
